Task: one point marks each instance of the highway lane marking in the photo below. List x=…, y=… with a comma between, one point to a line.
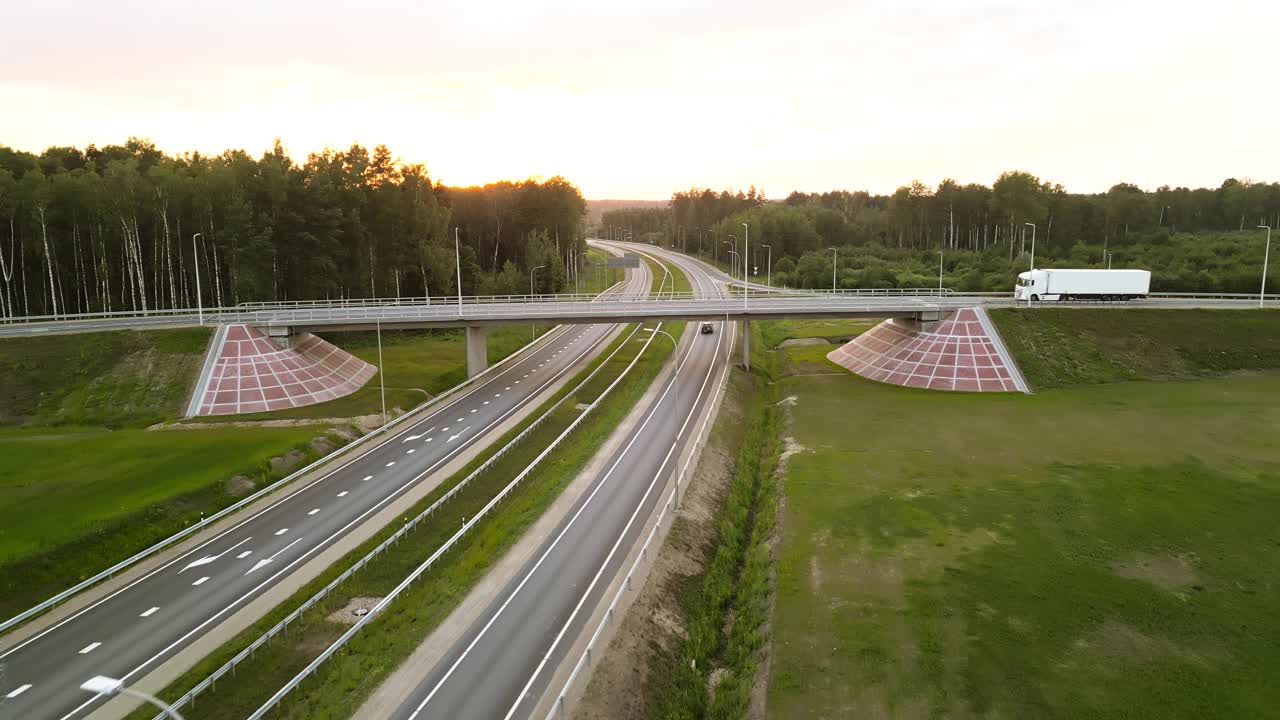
x=518, y=382
x=268, y=560
x=411, y=451
x=497, y=395
x=313, y=512
x=281, y=531
x=244, y=554
x=460, y=434
x=459, y=419
x=507, y=387
x=201, y=581
x=473, y=409
x=415, y=437
x=444, y=429
x=90, y=648
x=21, y=689
x=343, y=493
x=367, y=478
x=486, y=402
x=393, y=462
x=429, y=439
x=210, y=558
x=264, y=583
x=149, y=613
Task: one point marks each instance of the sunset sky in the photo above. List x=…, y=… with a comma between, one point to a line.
x=637, y=99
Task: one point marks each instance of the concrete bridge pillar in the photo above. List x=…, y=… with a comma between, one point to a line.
x=746, y=344
x=477, y=350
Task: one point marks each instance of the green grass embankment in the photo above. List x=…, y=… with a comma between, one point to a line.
x=1060, y=347
x=1095, y=551
x=344, y=682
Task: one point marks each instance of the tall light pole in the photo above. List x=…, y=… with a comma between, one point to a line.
x=382, y=374
x=746, y=253
x=102, y=685
x=1109, y=260
x=533, y=328
x=577, y=269
x=1266, y=255
x=1033, y=244
x=939, y=273
x=457, y=257
x=733, y=246
x=733, y=253
x=834, y=254
x=768, y=273
x=195, y=257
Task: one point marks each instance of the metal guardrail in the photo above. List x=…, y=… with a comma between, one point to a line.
x=282, y=626
x=673, y=500
x=208, y=521
x=417, y=572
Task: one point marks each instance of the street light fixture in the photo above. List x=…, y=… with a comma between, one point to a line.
x=457, y=258
x=533, y=328
x=939, y=273
x=195, y=257
x=834, y=254
x=103, y=685
x=1266, y=255
x=1033, y=245
x=768, y=276
x=746, y=253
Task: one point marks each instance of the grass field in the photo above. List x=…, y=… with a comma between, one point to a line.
x=114, y=379
x=1058, y=347
x=1097, y=551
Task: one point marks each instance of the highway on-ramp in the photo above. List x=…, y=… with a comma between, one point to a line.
x=130, y=631
x=500, y=665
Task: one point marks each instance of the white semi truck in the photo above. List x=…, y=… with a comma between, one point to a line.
x=1039, y=285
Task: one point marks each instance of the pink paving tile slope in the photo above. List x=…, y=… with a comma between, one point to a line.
x=961, y=352
x=253, y=374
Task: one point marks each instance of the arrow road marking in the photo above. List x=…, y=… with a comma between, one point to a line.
x=267, y=561
x=210, y=558
x=415, y=437
x=461, y=432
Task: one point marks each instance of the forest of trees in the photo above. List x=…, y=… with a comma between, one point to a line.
x=127, y=227
x=1192, y=239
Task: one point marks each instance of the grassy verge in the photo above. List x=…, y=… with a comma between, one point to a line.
x=65, y=516
x=725, y=607
x=1060, y=347
x=114, y=379
x=343, y=683
x=1086, y=552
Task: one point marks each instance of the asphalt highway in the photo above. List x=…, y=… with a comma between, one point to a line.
x=132, y=630
x=501, y=665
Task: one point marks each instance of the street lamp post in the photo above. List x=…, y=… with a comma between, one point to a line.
x=457, y=257
x=102, y=685
x=939, y=273
x=834, y=254
x=746, y=253
x=734, y=263
x=1033, y=245
x=1266, y=255
x=768, y=273
x=533, y=328
x=382, y=375
x=195, y=258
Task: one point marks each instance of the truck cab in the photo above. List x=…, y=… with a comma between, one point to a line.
x=1031, y=285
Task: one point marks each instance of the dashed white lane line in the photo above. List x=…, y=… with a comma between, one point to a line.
x=486, y=402
x=393, y=462
x=410, y=451
x=459, y=420
x=474, y=409
x=499, y=394
x=517, y=382
x=507, y=387
x=428, y=439
x=313, y=512
x=89, y=648
x=21, y=689
x=367, y=478
x=150, y=612
x=444, y=429
x=343, y=493
x=244, y=554
x=201, y=581
x=282, y=531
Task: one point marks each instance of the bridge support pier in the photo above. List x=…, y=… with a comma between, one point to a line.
x=746, y=344
x=477, y=350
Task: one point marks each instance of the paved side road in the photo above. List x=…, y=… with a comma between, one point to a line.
x=137, y=627
x=500, y=665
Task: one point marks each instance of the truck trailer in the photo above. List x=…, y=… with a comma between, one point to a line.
x=1038, y=285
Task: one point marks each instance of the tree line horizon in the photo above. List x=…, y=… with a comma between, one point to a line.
x=127, y=227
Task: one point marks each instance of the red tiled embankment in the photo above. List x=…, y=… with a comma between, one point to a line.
x=251, y=373
x=961, y=352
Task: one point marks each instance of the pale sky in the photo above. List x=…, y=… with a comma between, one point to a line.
x=638, y=99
